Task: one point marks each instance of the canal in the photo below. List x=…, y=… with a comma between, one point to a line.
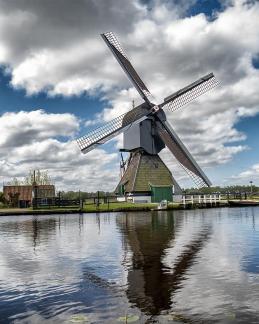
x=189, y=266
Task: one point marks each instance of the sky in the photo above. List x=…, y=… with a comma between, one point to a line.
x=58, y=80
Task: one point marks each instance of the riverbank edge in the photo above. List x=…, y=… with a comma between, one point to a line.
x=127, y=209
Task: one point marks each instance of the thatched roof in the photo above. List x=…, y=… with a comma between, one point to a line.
x=145, y=170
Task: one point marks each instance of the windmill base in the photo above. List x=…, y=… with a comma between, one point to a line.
x=147, y=179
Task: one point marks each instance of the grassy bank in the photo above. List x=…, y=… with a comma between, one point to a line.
x=89, y=208
x=118, y=206
x=92, y=208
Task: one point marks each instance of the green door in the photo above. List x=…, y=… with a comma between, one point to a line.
x=121, y=189
x=161, y=193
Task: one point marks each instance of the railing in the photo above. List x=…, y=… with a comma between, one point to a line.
x=201, y=200
x=55, y=202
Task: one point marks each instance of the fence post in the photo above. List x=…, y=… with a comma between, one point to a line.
x=98, y=199
x=81, y=204
x=59, y=193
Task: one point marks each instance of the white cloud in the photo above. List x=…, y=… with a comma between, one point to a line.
x=64, y=55
x=251, y=174
x=23, y=127
x=176, y=52
x=30, y=140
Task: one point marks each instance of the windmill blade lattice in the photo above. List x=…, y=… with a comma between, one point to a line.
x=114, y=45
x=200, y=183
x=189, y=93
x=182, y=155
x=111, y=129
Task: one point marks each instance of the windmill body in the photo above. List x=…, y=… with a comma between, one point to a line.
x=143, y=136
x=145, y=170
x=146, y=132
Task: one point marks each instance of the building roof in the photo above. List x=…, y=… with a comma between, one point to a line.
x=145, y=170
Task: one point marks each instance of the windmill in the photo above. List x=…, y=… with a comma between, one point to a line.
x=146, y=132
x=122, y=165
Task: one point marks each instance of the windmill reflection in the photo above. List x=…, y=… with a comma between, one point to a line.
x=151, y=285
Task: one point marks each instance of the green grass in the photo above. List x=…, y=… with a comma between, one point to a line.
x=254, y=198
x=118, y=206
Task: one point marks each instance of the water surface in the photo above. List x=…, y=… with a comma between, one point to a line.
x=197, y=266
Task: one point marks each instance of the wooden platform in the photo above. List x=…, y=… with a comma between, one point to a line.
x=243, y=203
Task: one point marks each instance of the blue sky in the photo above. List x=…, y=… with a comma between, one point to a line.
x=12, y=100
x=208, y=7
x=60, y=65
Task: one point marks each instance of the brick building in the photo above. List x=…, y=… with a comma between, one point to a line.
x=22, y=195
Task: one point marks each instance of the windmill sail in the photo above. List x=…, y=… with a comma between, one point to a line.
x=189, y=93
x=142, y=138
x=114, y=45
x=183, y=156
x=111, y=129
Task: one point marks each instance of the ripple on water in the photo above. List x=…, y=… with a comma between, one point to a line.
x=184, y=266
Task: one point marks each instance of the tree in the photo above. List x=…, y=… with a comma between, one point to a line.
x=232, y=189
x=41, y=178
x=28, y=180
x=2, y=198
x=14, y=199
x=14, y=182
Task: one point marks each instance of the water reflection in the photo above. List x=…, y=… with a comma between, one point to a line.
x=151, y=284
x=188, y=266
x=34, y=228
